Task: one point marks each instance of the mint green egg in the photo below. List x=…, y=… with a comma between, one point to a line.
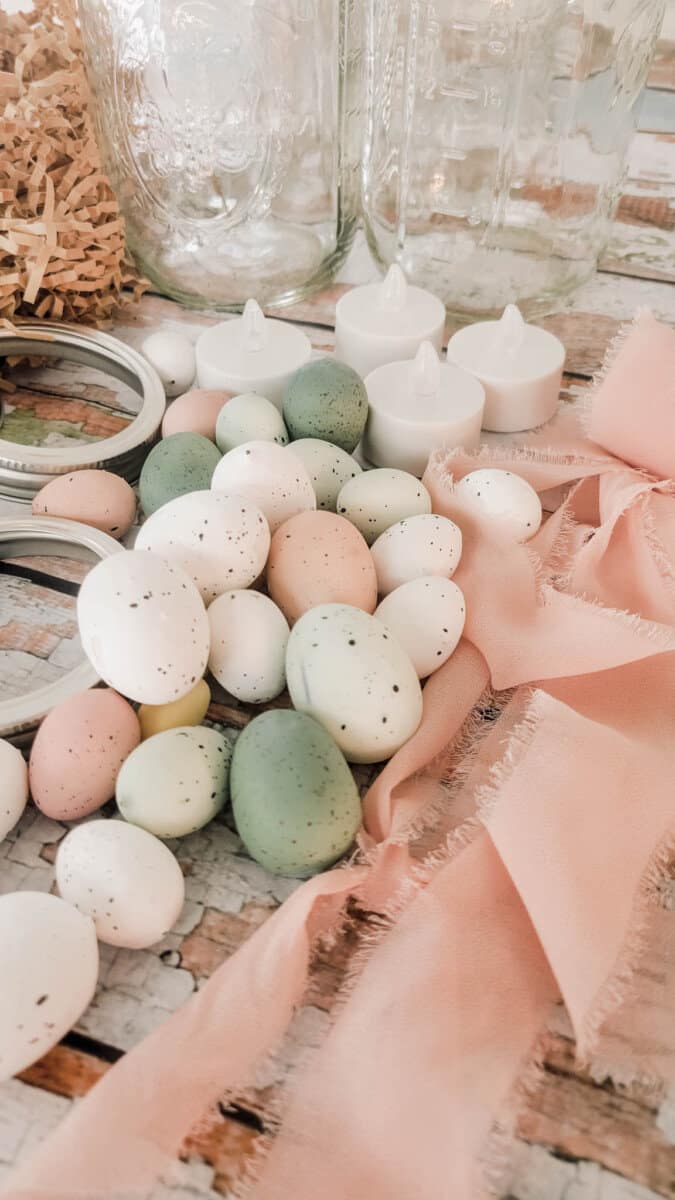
x=326, y=399
x=295, y=803
x=181, y=463
x=176, y=781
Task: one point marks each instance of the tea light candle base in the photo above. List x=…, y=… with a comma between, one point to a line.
x=386, y=322
x=415, y=407
x=519, y=365
x=251, y=354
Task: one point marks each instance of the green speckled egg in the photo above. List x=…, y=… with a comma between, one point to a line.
x=181, y=463
x=326, y=399
x=175, y=782
x=295, y=803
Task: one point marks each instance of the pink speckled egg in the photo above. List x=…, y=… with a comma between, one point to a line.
x=195, y=411
x=78, y=751
x=320, y=558
x=97, y=498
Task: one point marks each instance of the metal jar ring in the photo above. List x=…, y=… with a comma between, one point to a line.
x=25, y=469
x=20, y=715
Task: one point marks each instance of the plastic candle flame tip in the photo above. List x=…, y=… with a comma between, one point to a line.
x=426, y=371
x=509, y=333
x=393, y=289
x=254, y=334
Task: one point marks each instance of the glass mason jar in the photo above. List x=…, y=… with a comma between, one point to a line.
x=496, y=138
x=231, y=133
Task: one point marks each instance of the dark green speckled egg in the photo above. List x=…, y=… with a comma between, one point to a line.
x=183, y=462
x=326, y=399
x=295, y=803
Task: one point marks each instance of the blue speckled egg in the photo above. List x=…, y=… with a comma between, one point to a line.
x=295, y=803
x=326, y=399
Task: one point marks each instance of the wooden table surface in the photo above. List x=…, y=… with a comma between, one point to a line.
x=580, y=1138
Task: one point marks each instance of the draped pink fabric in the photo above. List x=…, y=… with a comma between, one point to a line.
x=546, y=855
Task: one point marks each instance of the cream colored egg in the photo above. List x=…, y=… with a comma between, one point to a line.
x=264, y=474
x=143, y=626
x=13, y=786
x=426, y=616
x=189, y=710
x=249, y=418
x=329, y=468
x=510, y=503
x=48, y=967
x=173, y=357
x=249, y=635
x=175, y=782
x=345, y=669
x=424, y=545
x=377, y=499
x=220, y=541
x=126, y=880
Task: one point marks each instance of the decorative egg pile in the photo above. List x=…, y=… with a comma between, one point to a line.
x=260, y=563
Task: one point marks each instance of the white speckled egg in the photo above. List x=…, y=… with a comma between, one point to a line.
x=126, y=880
x=48, y=967
x=427, y=617
x=13, y=786
x=249, y=418
x=345, y=669
x=173, y=357
x=329, y=468
x=507, y=499
x=143, y=626
x=248, y=645
x=377, y=499
x=219, y=541
x=265, y=474
x=416, y=547
x=175, y=782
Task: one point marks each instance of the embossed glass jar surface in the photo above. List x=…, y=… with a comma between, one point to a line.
x=497, y=131
x=230, y=130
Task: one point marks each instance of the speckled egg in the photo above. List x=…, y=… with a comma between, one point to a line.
x=48, y=967
x=97, y=498
x=195, y=411
x=377, y=499
x=248, y=646
x=126, y=880
x=265, y=474
x=189, y=710
x=250, y=418
x=182, y=463
x=326, y=399
x=416, y=547
x=319, y=558
x=509, y=501
x=345, y=669
x=220, y=541
x=173, y=357
x=13, y=786
x=328, y=467
x=426, y=616
x=78, y=751
x=176, y=782
x=294, y=800
x=143, y=626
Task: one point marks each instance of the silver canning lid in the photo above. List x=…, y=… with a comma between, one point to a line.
x=25, y=469
x=20, y=715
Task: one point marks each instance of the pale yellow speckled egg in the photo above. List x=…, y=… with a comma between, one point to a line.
x=189, y=710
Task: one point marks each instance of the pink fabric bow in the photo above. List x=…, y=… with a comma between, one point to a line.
x=545, y=857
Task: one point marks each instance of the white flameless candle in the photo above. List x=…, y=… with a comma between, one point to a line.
x=251, y=354
x=418, y=406
x=519, y=365
x=386, y=322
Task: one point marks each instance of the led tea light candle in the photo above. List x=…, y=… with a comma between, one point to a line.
x=251, y=354
x=519, y=365
x=386, y=322
x=416, y=407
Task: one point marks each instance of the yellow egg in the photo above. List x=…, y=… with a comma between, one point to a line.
x=188, y=710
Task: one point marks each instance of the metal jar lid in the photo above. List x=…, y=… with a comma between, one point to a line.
x=20, y=715
x=25, y=469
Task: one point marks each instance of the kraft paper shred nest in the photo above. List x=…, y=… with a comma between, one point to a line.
x=62, y=244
